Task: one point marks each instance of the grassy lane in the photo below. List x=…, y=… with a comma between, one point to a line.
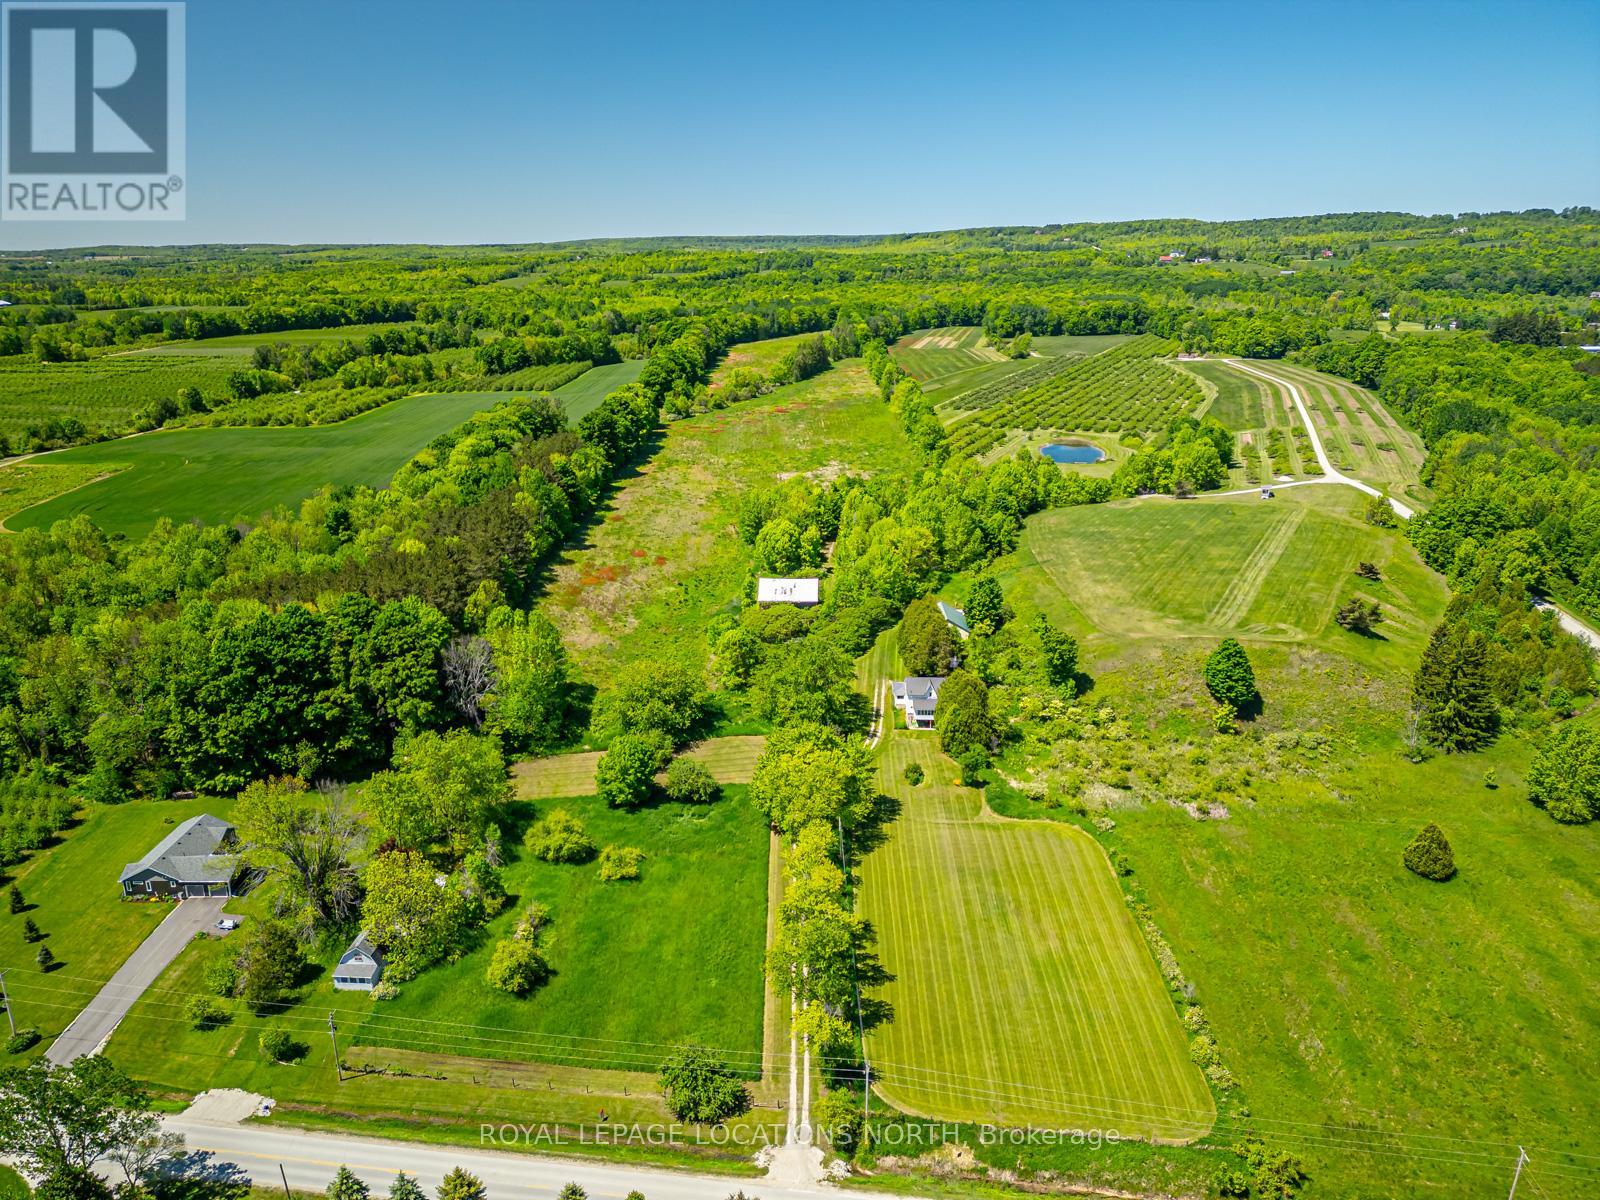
x=1024, y=992
x=217, y=475
x=729, y=759
x=583, y=395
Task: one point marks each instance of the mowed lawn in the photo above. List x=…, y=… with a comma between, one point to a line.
x=216, y=475
x=583, y=395
x=930, y=353
x=73, y=896
x=729, y=759
x=1261, y=569
x=1024, y=993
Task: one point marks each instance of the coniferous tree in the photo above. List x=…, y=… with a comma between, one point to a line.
x=927, y=642
x=15, y=900
x=461, y=1185
x=1230, y=678
x=346, y=1186
x=1429, y=854
x=405, y=1187
x=1453, y=693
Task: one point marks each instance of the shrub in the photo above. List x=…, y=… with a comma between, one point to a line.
x=206, y=1013
x=626, y=772
x=517, y=966
x=689, y=781
x=384, y=990
x=620, y=862
x=1359, y=615
x=1429, y=854
x=839, y=1115
x=699, y=1088
x=222, y=977
x=913, y=774
x=572, y=1191
x=1368, y=571
x=559, y=838
x=1230, y=679
x=23, y=1039
x=279, y=1047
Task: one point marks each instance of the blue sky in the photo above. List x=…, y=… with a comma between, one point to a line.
x=389, y=120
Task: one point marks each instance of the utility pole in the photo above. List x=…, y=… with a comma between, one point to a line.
x=1522, y=1157
x=5, y=1002
x=333, y=1035
x=285, y=1176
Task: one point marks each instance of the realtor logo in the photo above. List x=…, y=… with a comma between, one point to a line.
x=93, y=127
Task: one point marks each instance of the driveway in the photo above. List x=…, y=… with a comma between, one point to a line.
x=94, y=1024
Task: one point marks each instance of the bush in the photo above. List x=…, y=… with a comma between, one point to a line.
x=1429, y=854
x=839, y=1115
x=1368, y=571
x=222, y=977
x=384, y=990
x=572, y=1191
x=517, y=966
x=689, y=781
x=206, y=1013
x=699, y=1088
x=913, y=774
x=620, y=862
x=559, y=838
x=24, y=1039
x=1359, y=615
x=1230, y=679
x=626, y=772
x=279, y=1047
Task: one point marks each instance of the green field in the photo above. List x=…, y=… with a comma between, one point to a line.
x=1079, y=343
x=1024, y=992
x=662, y=561
x=760, y=355
x=729, y=759
x=931, y=353
x=1260, y=569
x=218, y=475
x=89, y=937
x=583, y=394
x=293, y=337
x=103, y=393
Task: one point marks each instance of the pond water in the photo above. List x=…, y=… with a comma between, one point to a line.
x=1073, y=452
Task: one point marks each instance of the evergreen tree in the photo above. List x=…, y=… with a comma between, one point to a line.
x=15, y=900
x=405, y=1187
x=1453, y=693
x=927, y=643
x=1230, y=678
x=1058, y=653
x=962, y=715
x=1429, y=854
x=1564, y=777
x=45, y=959
x=461, y=1185
x=346, y=1186
x=985, y=606
x=30, y=931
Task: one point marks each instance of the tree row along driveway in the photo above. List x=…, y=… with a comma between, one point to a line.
x=94, y=1024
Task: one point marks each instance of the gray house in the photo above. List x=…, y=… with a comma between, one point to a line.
x=360, y=967
x=956, y=618
x=193, y=860
x=916, y=697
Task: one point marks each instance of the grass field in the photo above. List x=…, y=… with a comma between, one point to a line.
x=1080, y=343
x=1024, y=992
x=929, y=354
x=760, y=356
x=24, y=484
x=1261, y=570
x=103, y=393
x=729, y=759
x=293, y=337
x=665, y=557
x=583, y=394
x=219, y=474
x=74, y=898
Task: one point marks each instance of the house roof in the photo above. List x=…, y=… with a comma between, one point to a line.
x=369, y=969
x=922, y=687
x=189, y=853
x=954, y=615
x=787, y=591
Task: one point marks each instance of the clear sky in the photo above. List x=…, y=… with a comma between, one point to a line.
x=520, y=120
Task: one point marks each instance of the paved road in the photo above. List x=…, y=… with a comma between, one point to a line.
x=94, y=1024
x=1571, y=623
x=310, y=1159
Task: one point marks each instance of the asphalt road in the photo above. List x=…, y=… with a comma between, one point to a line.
x=95, y=1023
x=309, y=1161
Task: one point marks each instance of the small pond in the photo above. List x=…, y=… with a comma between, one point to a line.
x=1073, y=452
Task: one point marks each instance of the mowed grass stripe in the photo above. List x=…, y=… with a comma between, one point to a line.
x=1246, y=585
x=1024, y=992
